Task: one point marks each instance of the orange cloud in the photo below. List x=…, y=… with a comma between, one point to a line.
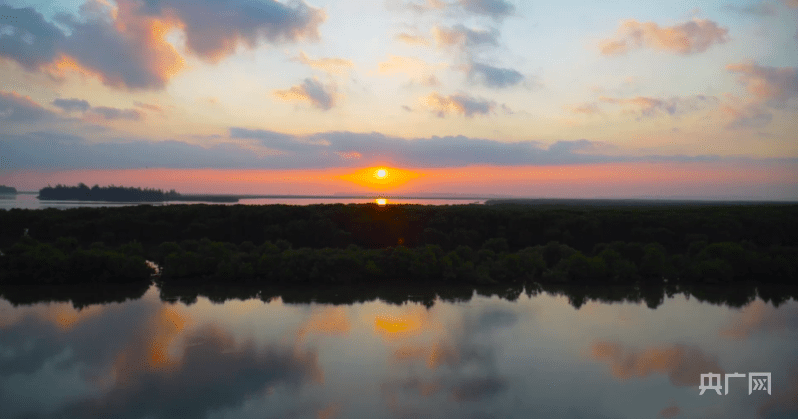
x=63, y=315
x=149, y=61
x=412, y=39
x=416, y=68
x=329, y=65
x=312, y=91
x=327, y=320
x=586, y=109
x=65, y=64
x=433, y=355
x=687, y=38
x=683, y=365
x=456, y=104
x=461, y=37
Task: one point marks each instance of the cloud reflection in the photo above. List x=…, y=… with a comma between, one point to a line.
x=142, y=359
x=682, y=364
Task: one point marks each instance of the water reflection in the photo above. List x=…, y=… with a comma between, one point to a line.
x=498, y=352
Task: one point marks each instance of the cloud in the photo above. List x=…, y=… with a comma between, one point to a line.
x=589, y=108
x=125, y=45
x=120, y=47
x=669, y=412
x=428, y=6
x=760, y=317
x=27, y=38
x=104, y=112
x=756, y=9
x=478, y=389
x=771, y=85
x=412, y=39
x=495, y=77
x=783, y=404
x=72, y=105
x=682, y=364
x=312, y=91
x=791, y=3
x=417, y=69
x=687, y=38
x=749, y=116
x=214, y=29
x=496, y=9
x=459, y=36
x=329, y=65
x=650, y=107
x=17, y=108
x=115, y=113
x=162, y=363
x=259, y=149
x=457, y=104
x=148, y=106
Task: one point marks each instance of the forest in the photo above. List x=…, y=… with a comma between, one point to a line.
x=372, y=245
x=82, y=192
x=107, y=193
x=7, y=190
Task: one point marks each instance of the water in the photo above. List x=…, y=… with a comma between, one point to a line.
x=27, y=201
x=534, y=357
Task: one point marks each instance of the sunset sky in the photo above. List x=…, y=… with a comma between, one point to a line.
x=566, y=98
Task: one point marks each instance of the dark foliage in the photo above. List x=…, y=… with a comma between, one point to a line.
x=107, y=193
x=369, y=244
x=29, y=262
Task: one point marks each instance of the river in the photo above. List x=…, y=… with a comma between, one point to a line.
x=29, y=201
x=533, y=355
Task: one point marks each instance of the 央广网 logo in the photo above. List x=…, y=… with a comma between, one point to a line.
x=711, y=381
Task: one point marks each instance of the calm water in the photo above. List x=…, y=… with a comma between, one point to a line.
x=30, y=202
x=535, y=357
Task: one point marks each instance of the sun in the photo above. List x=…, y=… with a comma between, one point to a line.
x=381, y=177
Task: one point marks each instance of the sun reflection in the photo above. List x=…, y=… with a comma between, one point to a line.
x=381, y=201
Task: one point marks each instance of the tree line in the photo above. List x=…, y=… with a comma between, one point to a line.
x=367, y=244
x=7, y=190
x=81, y=192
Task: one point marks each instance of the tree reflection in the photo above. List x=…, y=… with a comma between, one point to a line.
x=652, y=295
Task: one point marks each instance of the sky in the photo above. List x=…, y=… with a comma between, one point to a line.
x=611, y=99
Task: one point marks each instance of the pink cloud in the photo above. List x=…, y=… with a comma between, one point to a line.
x=775, y=85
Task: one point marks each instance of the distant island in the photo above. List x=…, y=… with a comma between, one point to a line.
x=7, y=190
x=121, y=194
